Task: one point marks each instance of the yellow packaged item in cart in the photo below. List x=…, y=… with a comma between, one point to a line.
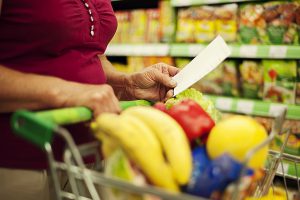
x=226, y=22
x=205, y=30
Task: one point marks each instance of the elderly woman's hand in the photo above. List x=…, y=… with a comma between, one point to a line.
x=99, y=98
x=153, y=83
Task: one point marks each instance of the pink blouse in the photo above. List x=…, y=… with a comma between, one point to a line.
x=59, y=38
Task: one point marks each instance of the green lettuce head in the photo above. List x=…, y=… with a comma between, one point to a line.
x=197, y=96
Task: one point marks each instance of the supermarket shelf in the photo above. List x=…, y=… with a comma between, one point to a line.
x=178, y=3
x=254, y=107
x=289, y=167
x=242, y=51
x=191, y=50
x=138, y=50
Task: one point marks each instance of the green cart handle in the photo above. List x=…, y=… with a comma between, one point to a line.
x=39, y=127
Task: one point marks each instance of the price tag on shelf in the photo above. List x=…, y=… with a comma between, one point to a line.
x=276, y=109
x=245, y=107
x=278, y=51
x=248, y=51
x=224, y=104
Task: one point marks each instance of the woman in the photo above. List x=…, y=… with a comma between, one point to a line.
x=52, y=56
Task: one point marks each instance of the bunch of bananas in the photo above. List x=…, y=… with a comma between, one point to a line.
x=152, y=140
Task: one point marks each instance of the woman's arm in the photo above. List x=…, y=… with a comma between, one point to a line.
x=118, y=80
x=152, y=83
x=30, y=91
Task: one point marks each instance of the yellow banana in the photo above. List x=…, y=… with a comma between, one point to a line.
x=171, y=137
x=141, y=146
x=108, y=144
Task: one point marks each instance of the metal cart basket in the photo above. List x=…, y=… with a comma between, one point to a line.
x=40, y=127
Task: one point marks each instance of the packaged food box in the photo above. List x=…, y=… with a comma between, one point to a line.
x=221, y=81
x=230, y=78
x=152, y=33
x=185, y=26
x=167, y=21
x=212, y=82
x=226, y=21
x=138, y=26
x=204, y=21
x=281, y=22
x=298, y=84
x=251, y=79
x=252, y=24
x=280, y=81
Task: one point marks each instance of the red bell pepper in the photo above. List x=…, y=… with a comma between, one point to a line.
x=193, y=119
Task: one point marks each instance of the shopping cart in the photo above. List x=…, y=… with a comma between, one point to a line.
x=40, y=127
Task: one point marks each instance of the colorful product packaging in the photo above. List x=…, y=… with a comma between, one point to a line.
x=167, y=21
x=230, y=78
x=226, y=21
x=185, y=26
x=125, y=36
x=280, y=81
x=221, y=81
x=205, y=30
x=122, y=33
x=251, y=79
x=281, y=22
x=212, y=82
x=252, y=24
x=138, y=26
x=152, y=33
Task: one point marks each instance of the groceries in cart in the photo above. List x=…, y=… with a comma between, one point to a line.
x=182, y=145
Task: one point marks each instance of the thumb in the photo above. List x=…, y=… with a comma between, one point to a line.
x=164, y=79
